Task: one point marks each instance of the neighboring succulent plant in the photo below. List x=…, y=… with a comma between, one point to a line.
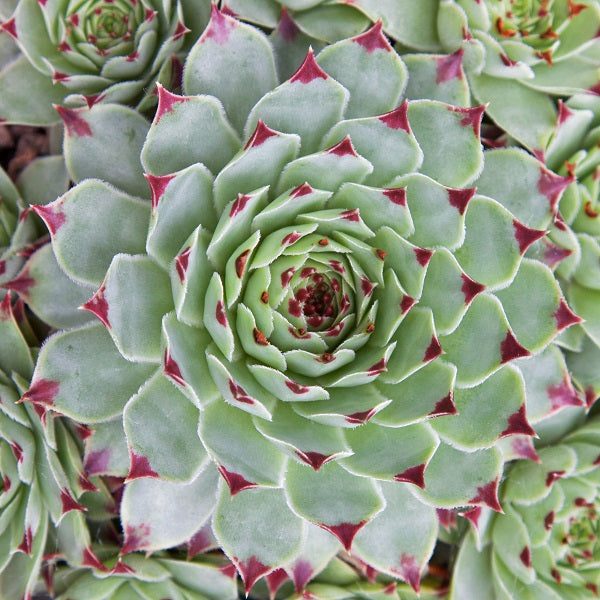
x=40, y=462
x=305, y=307
x=92, y=51
x=545, y=546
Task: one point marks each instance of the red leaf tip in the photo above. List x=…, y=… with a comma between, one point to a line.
x=309, y=70
x=343, y=148
x=139, y=467
x=449, y=67
x=166, y=102
x=397, y=118
x=235, y=481
x=158, y=184
x=98, y=306
x=260, y=135
x=75, y=124
x=373, y=39
x=415, y=475
x=345, y=532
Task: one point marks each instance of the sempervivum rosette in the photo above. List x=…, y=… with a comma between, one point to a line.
x=545, y=545
x=40, y=463
x=110, y=50
x=316, y=285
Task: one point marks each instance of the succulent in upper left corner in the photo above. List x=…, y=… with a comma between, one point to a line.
x=91, y=51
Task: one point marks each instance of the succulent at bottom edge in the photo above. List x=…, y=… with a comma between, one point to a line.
x=545, y=546
x=323, y=310
x=40, y=463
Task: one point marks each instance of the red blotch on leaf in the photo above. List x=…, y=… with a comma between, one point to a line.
x=22, y=284
x=552, y=476
x=518, y=424
x=564, y=316
x=69, y=503
x=359, y=418
x=409, y=571
x=25, y=545
x=239, y=204
x=10, y=28
x=240, y=263
x=89, y=559
x=343, y=148
x=261, y=134
x=414, y=475
x=488, y=494
x=98, y=306
x=219, y=27
x=158, y=184
x=396, y=195
x=397, y=118
x=302, y=573
x=181, y=263
x=470, y=288
x=166, y=102
x=301, y=190
x=96, y=462
x=525, y=557
x=43, y=391
x=51, y=215
x=549, y=520
x=563, y=394
x=58, y=77
x=445, y=406
x=510, y=349
x=75, y=125
x=309, y=70
x=275, y=579
x=471, y=117
x=286, y=276
x=563, y=112
x=251, y=570
x=287, y=27
x=139, y=467
x=345, y=532
x=171, y=369
x=235, y=481
x=423, y=256
x=459, y=198
x=135, y=538
x=238, y=393
x=296, y=388
x=373, y=39
x=290, y=238
x=449, y=67
x=552, y=186
x=315, y=459
x=433, y=350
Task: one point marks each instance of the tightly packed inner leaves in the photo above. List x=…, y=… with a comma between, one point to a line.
x=329, y=300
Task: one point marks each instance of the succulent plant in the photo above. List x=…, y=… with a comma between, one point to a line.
x=98, y=50
x=40, y=462
x=545, y=545
x=305, y=296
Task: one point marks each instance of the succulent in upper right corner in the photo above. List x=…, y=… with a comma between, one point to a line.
x=546, y=546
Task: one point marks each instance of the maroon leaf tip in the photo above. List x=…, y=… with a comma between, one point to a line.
x=373, y=39
x=488, y=494
x=343, y=148
x=309, y=70
x=171, y=369
x=251, y=570
x=89, y=559
x=554, y=254
x=302, y=572
x=139, y=467
x=69, y=503
x=433, y=350
x=414, y=475
x=397, y=118
x=121, y=568
x=180, y=31
x=235, y=481
x=396, y=195
x=406, y=303
x=200, y=542
x=549, y=520
x=525, y=557
x=219, y=27
x=98, y=306
x=85, y=483
x=345, y=532
x=563, y=394
x=287, y=26
x=518, y=424
x=6, y=311
x=25, y=545
x=275, y=579
x=445, y=406
x=470, y=288
x=9, y=27
x=135, y=538
x=51, y=215
x=75, y=125
x=239, y=204
x=449, y=67
x=423, y=255
x=301, y=190
x=22, y=284
x=96, y=462
x=524, y=448
x=181, y=263
x=166, y=102
x=409, y=571
x=315, y=459
x=564, y=316
x=158, y=184
x=260, y=135
x=359, y=418
x=446, y=517
x=526, y=236
x=94, y=99
x=471, y=117
x=459, y=198
x=563, y=112
x=43, y=392
x=552, y=476
x=473, y=515
x=552, y=186
x=510, y=349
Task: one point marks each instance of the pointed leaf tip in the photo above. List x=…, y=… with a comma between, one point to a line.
x=135, y=538
x=250, y=570
x=180, y=31
x=563, y=112
x=473, y=515
x=488, y=494
x=552, y=186
x=51, y=215
x=171, y=369
x=396, y=195
x=139, y=467
x=445, y=406
x=219, y=27
x=564, y=316
x=69, y=503
x=315, y=459
x=397, y=118
x=433, y=350
x=9, y=27
x=6, y=311
x=261, y=134
x=98, y=306
x=235, y=481
x=510, y=349
x=43, y=392
x=373, y=39
x=526, y=236
x=166, y=102
x=122, y=569
x=409, y=571
x=158, y=184
x=22, y=284
x=471, y=117
x=275, y=579
x=345, y=532
x=518, y=424
x=309, y=70
x=470, y=288
x=343, y=148
x=414, y=475
x=449, y=67
x=91, y=560
x=75, y=125
x=459, y=198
